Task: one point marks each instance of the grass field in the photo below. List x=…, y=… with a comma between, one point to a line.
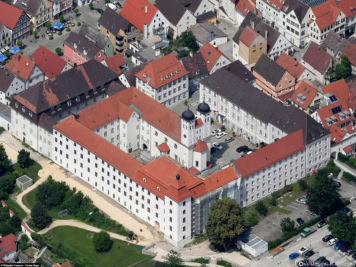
x=122, y=253
x=16, y=208
x=30, y=198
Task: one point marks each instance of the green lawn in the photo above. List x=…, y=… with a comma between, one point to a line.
x=224, y=263
x=30, y=198
x=80, y=241
x=16, y=208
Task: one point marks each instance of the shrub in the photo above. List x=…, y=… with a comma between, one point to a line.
x=251, y=219
x=261, y=208
x=303, y=185
x=332, y=168
x=273, y=202
x=102, y=242
x=68, y=29
x=78, y=24
x=51, y=37
x=341, y=157
x=349, y=177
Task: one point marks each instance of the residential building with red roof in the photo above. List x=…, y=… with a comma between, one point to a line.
x=145, y=17
x=323, y=18
x=14, y=25
x=251, y=46
x=348, y=7
x=317, y=61
x=350, y=53
x=306, y=96
x=213, y=57
x=49, y=63
x=8, y=247
x=235, y=11
x=294, y=68
x=165, y=80
x=116, y=63
x=339, y=89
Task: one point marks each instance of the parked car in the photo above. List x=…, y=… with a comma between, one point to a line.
x=100, y=11
x=302, y=250
x=214, y=132
x=338, y=184
x=345, y=247
x=332, y=241
x=354, y=256
x=301, y=200
x=217, y=146
x=319, y=260
x=327, y=238
x=220, y=134
x=321, y=223
x=293, y=256
x=112, y=6
x=229, y=139
x=349, y=252
x=308, y=254
x=338, y=245
x=244, y=149
x=118, y=4
x=303, y=263
x=300, y=221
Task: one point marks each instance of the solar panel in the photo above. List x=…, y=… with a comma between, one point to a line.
x=332, y=98
x=336, y=110
x=313, y=3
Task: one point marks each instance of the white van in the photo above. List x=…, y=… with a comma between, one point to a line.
x=112, y=6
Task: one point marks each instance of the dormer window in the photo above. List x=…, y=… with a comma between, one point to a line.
x=30, y=114
x=158, y=188
x=69, y=103
x=144, y=179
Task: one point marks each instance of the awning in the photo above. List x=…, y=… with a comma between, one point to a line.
x=58, y=26
x=3, y=58
x=14, y=50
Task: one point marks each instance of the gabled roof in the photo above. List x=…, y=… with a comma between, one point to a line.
x=65, y=86
x=334, y=112
x=244, y=7
x=347, y=6
x=21, y=66
x=191, y=5
x=317, y=57
x=130, y=74
x=200, y=146
x=9, y=15
x=270, y=154
x=326, y=14
x=335, y=42
x=338, y=89
x=269, y=70
x=276, y=4
x=93, y=35
x=195, y=65
x=206, y=32
x=6, y=79
x=31, y=7
x=211, y=55
x=115, y=62
x=248, y=35
x=239, y=70
x=7, y=244
x=173, y=10
x=123, y=104
x=350, y=53
x=162, y=71
x=300, y=9
x=289, y=64
x=134, y=12
x=48, y=62
x=113, y=22
x=304, y=94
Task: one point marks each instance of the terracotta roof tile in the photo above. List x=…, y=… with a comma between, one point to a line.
x=200, y=146
x=333, y=112
x=7, y=244
x=248, y=36
x=21, y=66
x=211, y=55
x=337, y=134
x=350, y=53
x=276, y=4
x=115, y=62
x=347, y=149
x=339, y=89
x=289, y=64
x=48, y=62
x=219, y=179
x=304, y=94
x=347, y=6
x=326, y=14
x=162, y=71
x=9, y=15
x=245, y=6
x=134, y=12
x=317, y=57
x=163, y=147
x=270, y=154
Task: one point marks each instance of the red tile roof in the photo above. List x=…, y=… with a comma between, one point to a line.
x=248, y=36
x=326, y=14
x=9, y=15
x=48, y=62
x=270, y=154
x=200, y=146
x=347, y=6
x=7, y=244
x=21, y=66
x=115, y=62
x=245, y=6
x=219, y=179
x=163, y=147
x=211, y=55
x=276, y=4
x=339, y=89
x=350, y=52
x=317, y=57
x=289, y=64
x=162, y=71
x=326, y=112
x=82, y=135
x=347, y=149
x=336, y=134
x=198, y=123
x=121, y=105
x=307, y=89
x=134, y=12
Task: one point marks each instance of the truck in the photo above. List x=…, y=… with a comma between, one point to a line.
x=307, y=231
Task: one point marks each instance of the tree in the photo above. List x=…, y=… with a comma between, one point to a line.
x=48, y=24
x=61, y=19
x=4, y=160
x=287, y=225
x=174, y=259
x=76, y=11
x=35, y=33
x=58, y=50
x=343, y=227
x=225, y=223
x=40, y=216
x=343, y=70
x=15, y=223
x=91, y=6
x=303, y=185
x=261, y=208
x=19, y=43
x=102, y=242
x=274, y=201
x=6, y=229
x=188, y=39
x=4, y=214
x=23, y=158
x=52, y=193
x=323, y=197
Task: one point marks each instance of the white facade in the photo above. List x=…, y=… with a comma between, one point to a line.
x=314, y=74
x=221, y=62
x=280, y=46
x=158, y=23
x=81, y=3
x=168, y=94
x=186, y=21
x=230, y=11
x=270, y=15
x=204, y=7
x=5, y=36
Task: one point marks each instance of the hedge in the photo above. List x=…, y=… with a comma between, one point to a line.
x=332, y=168
x=349, y=177
x=341, y=157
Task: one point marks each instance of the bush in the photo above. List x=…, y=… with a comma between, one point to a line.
x=273, y=202
x=51, y=37
x=341, y=157
x=332, y=168
x=2, y=129
x=252, y=219
x=102, y=242
x=303, y=185
x=78, y=24
x=40, y=216
x=349, y=177
x=68, y=29
x=201, y=260
x=59, y=33
x=261, y=208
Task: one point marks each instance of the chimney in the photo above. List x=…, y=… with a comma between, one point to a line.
x=252, y=24
x=178, y=177
x=146, y=9
x=266, y=34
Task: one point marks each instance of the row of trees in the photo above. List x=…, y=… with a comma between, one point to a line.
x=8, y=224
